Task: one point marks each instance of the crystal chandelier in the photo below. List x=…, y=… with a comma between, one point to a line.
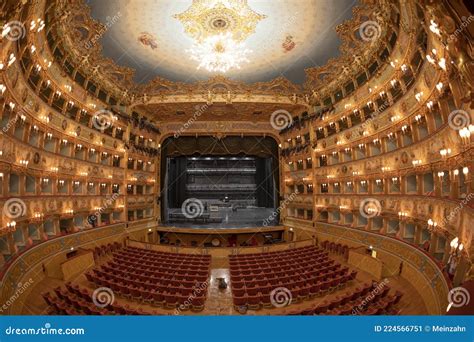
x=219, y=53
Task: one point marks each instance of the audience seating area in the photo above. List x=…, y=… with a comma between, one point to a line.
x=157, y=278
x=104, y=250
x=306, y=272
x=369, y=299
x=77, y=300
x=336, y=248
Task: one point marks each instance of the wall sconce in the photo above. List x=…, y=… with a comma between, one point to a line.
x=355, y=173
x=38, y=216
x=69, y=211
x=24, y=162
x=90, y=184
x=11, y=225
x=393, y=82
x=456, y=172
x=430, y=105
x=402, y=214
x=456, y=247
x=363, y=183
x=376, y=141
x=385, y=168
x=76, y=183
x=439, y=86
x=441, y=174
x=395, y=180
x=361, y=146
x=418, y=96
x=103, y=185
x=61, y=182
x=83, y=174
x=378, y=181
x=432, y=225
x=445, y=152
x=465, y=170
x=54, y=169
x=45, y=181
x=418, y=118
x=404, y=68
x=416, y=162
x=465, y=135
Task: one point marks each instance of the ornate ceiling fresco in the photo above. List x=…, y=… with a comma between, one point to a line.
x=156, y=37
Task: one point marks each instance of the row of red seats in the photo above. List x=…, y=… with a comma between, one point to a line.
x=165, y=255
x=109, y=273
x=299, y=280
x=129, y=261
x=75, y=300
x=254, y=298
x=166, y=297
x=301, y=251
x=337, y=248
x=316, y=270
x=109, y=248
x=366, y=300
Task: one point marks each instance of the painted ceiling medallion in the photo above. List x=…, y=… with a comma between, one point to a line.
x=207, y=18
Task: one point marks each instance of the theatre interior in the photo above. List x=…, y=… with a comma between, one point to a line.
x=236, y=157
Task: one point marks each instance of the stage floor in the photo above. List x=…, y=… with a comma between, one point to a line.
x=241, y=218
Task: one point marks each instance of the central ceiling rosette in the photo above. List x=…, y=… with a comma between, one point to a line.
x=219, y=29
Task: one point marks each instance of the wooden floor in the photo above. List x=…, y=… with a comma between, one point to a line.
x=219, y=302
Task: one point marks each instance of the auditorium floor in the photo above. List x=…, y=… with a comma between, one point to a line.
x=219, y=302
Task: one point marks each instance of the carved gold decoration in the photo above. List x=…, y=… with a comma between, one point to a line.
x=207, y=18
